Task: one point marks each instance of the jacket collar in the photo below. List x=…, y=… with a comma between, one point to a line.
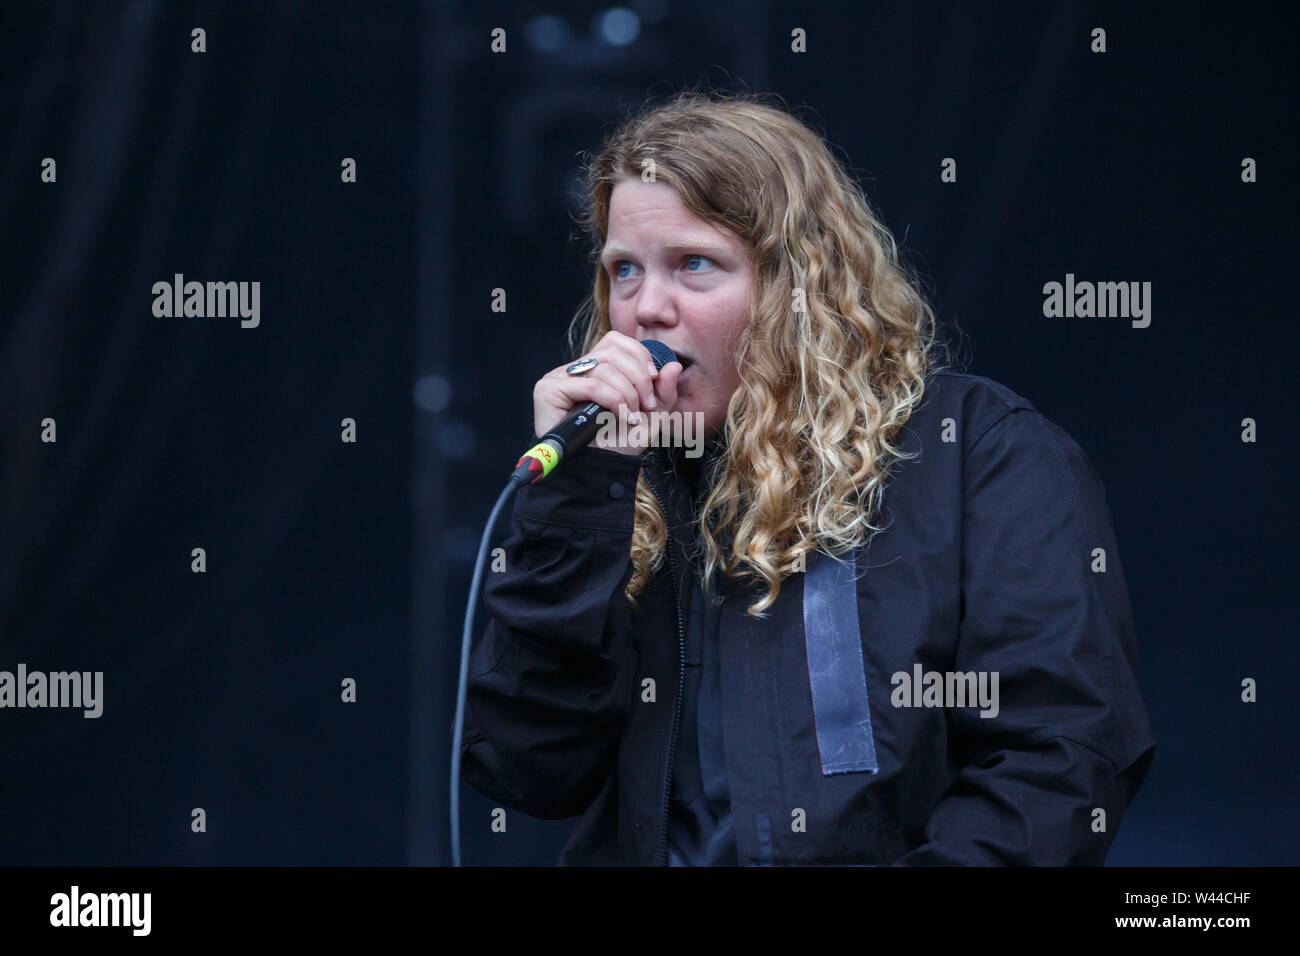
x=667, y=467
x=666, y=470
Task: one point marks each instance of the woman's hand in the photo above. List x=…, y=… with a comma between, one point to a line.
x=625, y=382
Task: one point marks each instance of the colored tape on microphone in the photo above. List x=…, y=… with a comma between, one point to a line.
x=544, y=452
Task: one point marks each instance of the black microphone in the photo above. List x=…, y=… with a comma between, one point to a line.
x=576, y=430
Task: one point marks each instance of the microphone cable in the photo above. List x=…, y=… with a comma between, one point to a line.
x=507, y=494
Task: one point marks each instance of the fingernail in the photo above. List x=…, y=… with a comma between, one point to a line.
x=653, y=371
x=652, y=402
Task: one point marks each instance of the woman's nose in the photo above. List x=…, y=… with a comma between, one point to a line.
x=654, y=302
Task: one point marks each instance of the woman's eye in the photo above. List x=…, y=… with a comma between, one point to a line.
x=691, y=266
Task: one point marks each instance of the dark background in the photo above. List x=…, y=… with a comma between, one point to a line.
x=329, y=560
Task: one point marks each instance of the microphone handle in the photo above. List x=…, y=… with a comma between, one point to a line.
x=577, y=429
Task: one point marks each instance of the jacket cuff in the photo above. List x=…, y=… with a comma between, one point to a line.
x=590, y=488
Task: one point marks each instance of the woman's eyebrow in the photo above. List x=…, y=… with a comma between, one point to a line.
x=614, y=249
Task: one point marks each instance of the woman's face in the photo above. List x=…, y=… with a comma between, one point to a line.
x=679, y=279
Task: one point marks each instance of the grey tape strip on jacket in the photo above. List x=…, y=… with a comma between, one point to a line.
x=834, y=646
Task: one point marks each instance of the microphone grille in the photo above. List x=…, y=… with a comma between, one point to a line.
x=661, y=353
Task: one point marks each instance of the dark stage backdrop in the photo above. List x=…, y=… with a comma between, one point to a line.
x=335, y=449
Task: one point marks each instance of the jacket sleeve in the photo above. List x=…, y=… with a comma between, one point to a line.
x=1046, y=780
x=551, y=678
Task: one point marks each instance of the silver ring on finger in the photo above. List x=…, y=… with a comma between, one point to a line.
x=583, y=366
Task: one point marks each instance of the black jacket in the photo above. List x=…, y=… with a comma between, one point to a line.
x=998, y=559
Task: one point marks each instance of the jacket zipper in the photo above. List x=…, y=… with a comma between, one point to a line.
x=681, y=670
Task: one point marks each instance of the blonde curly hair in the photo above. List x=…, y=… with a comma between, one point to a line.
x=826, y=388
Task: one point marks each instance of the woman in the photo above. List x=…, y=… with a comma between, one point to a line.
x=882, y=620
